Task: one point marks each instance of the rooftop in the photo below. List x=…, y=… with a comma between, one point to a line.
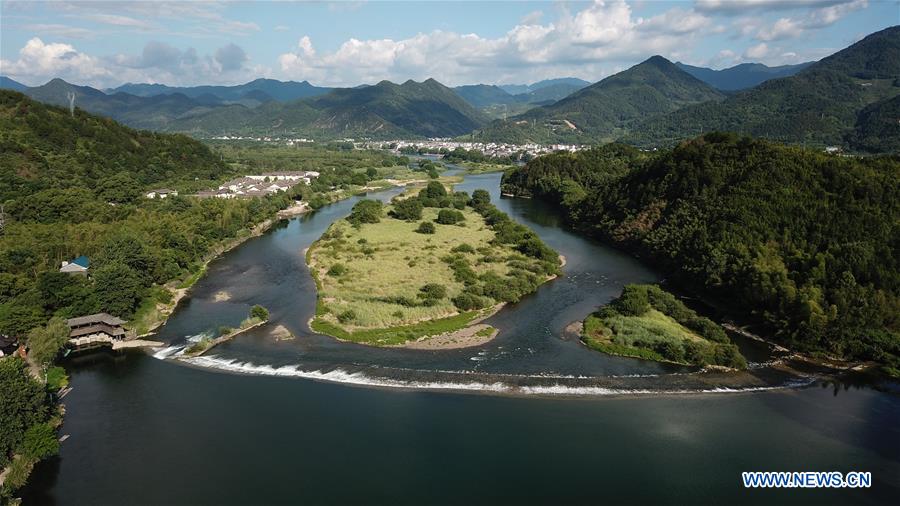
x=95, y=318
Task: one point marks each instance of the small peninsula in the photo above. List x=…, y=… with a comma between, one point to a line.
x=425, y=269
x=648, y=322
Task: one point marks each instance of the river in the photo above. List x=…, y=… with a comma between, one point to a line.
x=531, y=418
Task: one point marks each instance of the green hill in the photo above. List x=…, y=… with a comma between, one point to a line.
x=426, y=109
x=43, y=147
x=817, y=106
x=74, y=185
x=153, y=112
x=608, y=109
x=800, y=242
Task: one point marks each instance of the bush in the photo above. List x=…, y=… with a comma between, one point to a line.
x=449, y=217
x=433, y=291
x=347, y=316
x=670, y=350
x=632, y=302
x=57, y=378
x=480, y=199
x=259, y=312
x=40, y=442
x=408, y=209
x=337, y=270
x=426, y=227
x=434, y=190
x=365, y=211
x=468, y=302
x=463, y=248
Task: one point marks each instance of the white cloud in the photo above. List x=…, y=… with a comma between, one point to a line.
x=281, y=28
x=159, y=62
x=589, y=43
x=787, y=27
x=757, y=52
x=782, y=29
x=38, y=62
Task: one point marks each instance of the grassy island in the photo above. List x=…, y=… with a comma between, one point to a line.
x=648, y=322
x=428, y=264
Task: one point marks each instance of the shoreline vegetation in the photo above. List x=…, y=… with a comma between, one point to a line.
x=424, y=270
x=738, y=220
x=149, y=318
x=649, y=323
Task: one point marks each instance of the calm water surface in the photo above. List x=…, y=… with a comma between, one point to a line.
x=150, y=430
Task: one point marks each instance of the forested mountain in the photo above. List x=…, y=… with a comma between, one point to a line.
x=8, y=84
x=484, y=95
x=573, y=83
x=743, y=76
x=819, y=106
x=282, y=91
x=427, y=109
x=801, y=242
x=153, y=113
x=45, y=149
x=606, y=110
x=73, y=185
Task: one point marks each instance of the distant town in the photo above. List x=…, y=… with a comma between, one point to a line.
x=435, y=145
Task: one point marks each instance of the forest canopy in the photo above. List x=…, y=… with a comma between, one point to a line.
x=802, y=242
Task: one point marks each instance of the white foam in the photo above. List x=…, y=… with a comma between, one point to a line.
x=165, y=353
x=359, y=378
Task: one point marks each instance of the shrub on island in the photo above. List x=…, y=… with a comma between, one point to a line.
x=648, y=322
x=426, y=227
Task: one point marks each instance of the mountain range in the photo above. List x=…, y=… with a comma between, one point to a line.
x=743, y=76
x=606, y=110
x=839, y=100
x=847, y=99
x=386, y=109
x=262, y=90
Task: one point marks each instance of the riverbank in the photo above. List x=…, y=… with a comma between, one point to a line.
x=154, y=312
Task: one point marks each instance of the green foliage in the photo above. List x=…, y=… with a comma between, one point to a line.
x=40, y=442
x=409, y=209
x=632, y=302
x=449, y=217
x=796, y=240
x=45, y=343
x=365, y=211
x=68, y=171
x=433, y=190
x=433, y=291
x=337, y=270
x=56, y=378
x=426, y=227
x=24, y=404
x=347, y=316
x=258, y=312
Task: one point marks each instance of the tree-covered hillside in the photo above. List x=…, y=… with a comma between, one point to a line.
x=802, y=242
x=818, y=106
x=606, y=110
x=74, y=186
x=44, y=148
x=426, y=109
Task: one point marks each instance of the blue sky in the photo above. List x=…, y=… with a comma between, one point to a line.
x=105, y=44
